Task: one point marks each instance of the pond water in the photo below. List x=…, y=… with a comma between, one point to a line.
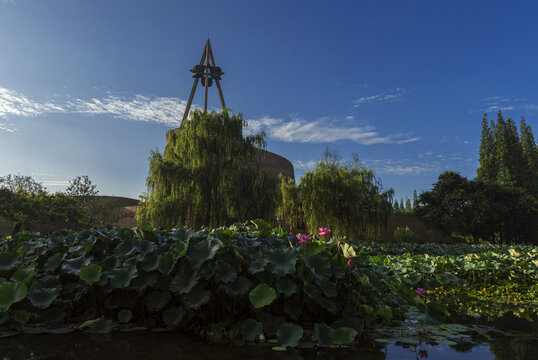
x=163, y=346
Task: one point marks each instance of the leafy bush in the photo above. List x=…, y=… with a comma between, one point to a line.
x=404, y=235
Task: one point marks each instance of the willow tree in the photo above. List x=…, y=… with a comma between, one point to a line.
x=208, y=176
x=346, y=198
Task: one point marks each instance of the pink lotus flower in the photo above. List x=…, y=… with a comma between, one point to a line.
x=339, y=243
x=304, y=239
x=291, y=233
x=324, y=231
x=420, y=291
x=350, y=262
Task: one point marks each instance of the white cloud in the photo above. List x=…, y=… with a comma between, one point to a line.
x=407, y=170
x=8, y=127
x=16, y=104
x=165, y=110
x=55, y=183
x=322, y=131
x=391, y=95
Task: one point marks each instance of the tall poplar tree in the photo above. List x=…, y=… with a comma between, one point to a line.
x=530, y=155
x=208, y=176
x=488, y=158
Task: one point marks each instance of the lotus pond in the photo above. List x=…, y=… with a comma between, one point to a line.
x=252, y=289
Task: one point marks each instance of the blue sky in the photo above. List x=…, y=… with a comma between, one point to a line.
x=90, y=87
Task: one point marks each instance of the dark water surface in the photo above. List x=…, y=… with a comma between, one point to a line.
x=163, y=346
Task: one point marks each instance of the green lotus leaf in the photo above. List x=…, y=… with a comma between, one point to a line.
x=91, y=274
x=125, y=315
x=329, y=288
x=289, y=335
x=286, y=286
x=166, y=263
x=312, y=290
x=21, y=316
x=385, y=313
x=173, y=316
x=257, y=266
x=343, y=336
x=180, y=250
x=125, y=248
x=348, y=251
x=59, y=331
x=110, y=263
x=121, y=278
x=262, y=295
x=225, y=272
x=324, y=334
x=24, y=275
x=156, y=300
x=181, y=235
x=116, y=299
x=251, y=328
x=11, y=293
x=143, y=280
x=150, y=262
x=48, y=289
x=185, y=280
x=320, y=265
x=9, y=260
x=146, y=232
x=102, y=326
x=197, y=297
x=53, y=315
x=53, y=262
x=144, y=247
x=282, y=261
x=238, y=287
x=203, y=251
x=73, y=266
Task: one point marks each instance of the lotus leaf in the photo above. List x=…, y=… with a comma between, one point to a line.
x=53, y=262
x=197, y=297
x=121, y=278
x=143, y=280
x=102, y=326
x=47, y=289
x=125, y=316
x=257, y=266
x=156, y=300
x=185, y=280
x=24, y=275
x=173, y=316
x=11, y=293
x=151, y=261
x=286, y=286
x=282, y=261
x=91, y=274
x=125, y=248
x=238, y=287
x=262, y=295
x=9, y=260
x=320, y=265
x=250, y=329
x=225, y=272
x=144, y=247
x=289, y=335
x=166, y=263
x=348, y=251
x=203, y=251
x=21, y=316
x=73, y=266
x=330, y=305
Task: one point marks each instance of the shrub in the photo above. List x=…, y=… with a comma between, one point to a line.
x=404, y=235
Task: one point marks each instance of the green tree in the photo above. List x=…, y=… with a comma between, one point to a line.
x=530, y=155
x=346, y=198
x=408, y=206
x=20, y=182
x=488, y=157
x=415, y=199
x=81, y=186
x=208, y=176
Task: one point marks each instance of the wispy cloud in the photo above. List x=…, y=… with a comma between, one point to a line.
x=15, y=103
x=378, y=98
x=496, y=103
x=322, y=131
x=165, y=110
x=54, y=183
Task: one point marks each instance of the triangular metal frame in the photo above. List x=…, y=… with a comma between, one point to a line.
x=207, y=61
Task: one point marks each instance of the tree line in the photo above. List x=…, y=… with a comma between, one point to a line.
x=501, y=203
x=27, y=204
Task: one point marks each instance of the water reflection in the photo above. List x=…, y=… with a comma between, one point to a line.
x=163, y=346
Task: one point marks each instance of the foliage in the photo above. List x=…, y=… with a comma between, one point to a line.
x=208, y=175
x=488, y=211
x=255, y=287
x=81, y=186
x=404, y=235
x=347, y=198
x=21, y=183
x=507, y=157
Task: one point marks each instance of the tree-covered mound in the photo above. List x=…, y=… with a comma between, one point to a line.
x=249, y=282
